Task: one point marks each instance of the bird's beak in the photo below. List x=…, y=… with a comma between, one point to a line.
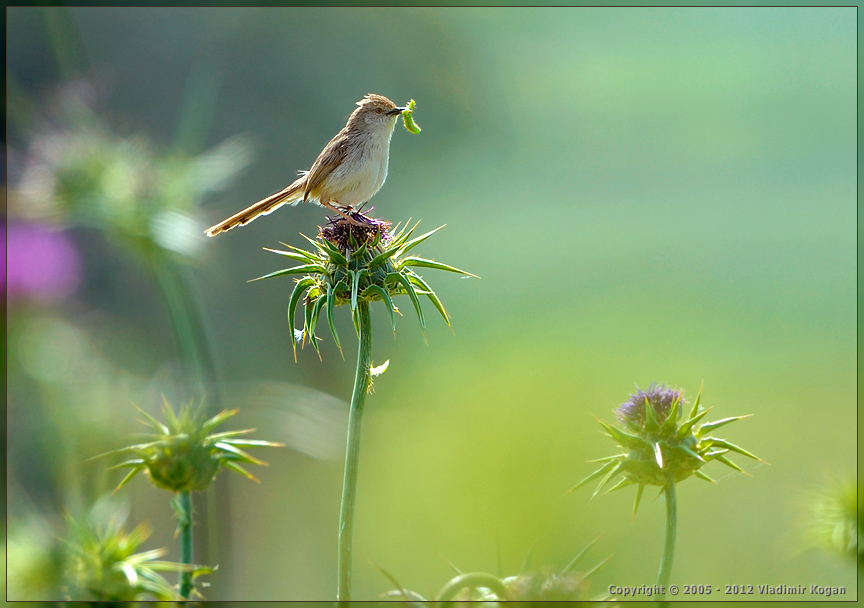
x=396, y=111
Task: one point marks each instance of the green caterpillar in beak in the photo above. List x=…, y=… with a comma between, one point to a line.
x=407, y=120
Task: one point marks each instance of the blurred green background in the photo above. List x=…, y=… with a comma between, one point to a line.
x=648, y=195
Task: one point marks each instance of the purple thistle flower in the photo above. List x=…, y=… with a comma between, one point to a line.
x=659, y=396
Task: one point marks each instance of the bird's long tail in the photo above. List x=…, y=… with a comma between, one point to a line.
x=291, y=194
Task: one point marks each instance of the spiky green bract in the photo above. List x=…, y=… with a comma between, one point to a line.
x=101, y=564
x=659, y=446
x=547, y=584
x=183, y=455
x=350, y=264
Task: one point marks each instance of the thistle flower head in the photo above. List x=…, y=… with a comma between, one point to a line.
x=101, y=562
x=658, y=396
x=547, y=584
x=365, y=261
x=659, y=447
x=831, y=516
x=184, y=456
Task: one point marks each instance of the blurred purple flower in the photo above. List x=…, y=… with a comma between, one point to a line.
x=41, y=263
x=659, y=396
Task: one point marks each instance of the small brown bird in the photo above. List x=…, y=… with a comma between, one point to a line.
x=350, y=169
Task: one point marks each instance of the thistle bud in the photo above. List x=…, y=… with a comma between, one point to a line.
x=660, y=447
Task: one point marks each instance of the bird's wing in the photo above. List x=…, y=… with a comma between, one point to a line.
x=332, y=156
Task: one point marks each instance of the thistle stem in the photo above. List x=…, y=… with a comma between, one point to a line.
x=184, y=527
x=352, y=452
x=669, y=544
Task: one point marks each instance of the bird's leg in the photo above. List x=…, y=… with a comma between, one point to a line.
x=350, y=219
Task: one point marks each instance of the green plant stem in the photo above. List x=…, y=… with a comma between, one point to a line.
x=187, y=318
x=184, y=527
x=185, y=315
x=669, y=544
x=352, y=452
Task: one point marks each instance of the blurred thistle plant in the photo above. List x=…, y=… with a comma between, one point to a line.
x=662, y=451
x=184, y=457
x=831, y=515
x=356, y=264
x=101, y=563
x=547, y=584
x=78, y=171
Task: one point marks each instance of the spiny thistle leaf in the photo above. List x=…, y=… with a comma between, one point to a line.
x=730, y=464
x=595, y=569
x=695, y=409
x=251, y=443
x=710, y=426
x=238, y=469
x=216, y=420
x=609, y=476
x=417, y=280
x=702, y=475
x=608, y=458
x=331, y=300
x=625, y=439
x=355, y=285
x=240, y=454
x=416, y=241
x=690, y=452
x=129, y=476
x=601, y=471
x=406, y=284
x=672, y=416
x=309, y=257
x=406, y=595
x=306, y=268
x=300, y=257
x=622, y=483
x=638, y=498
x=313, y=321
x=423, y=263
x=122, y=465
x=151, y=421
x=687, y=426
x=579, y=556
x=651, y=422
x=385, y=297
x=731, y=446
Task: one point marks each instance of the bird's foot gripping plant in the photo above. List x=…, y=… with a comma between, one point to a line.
x=356, y=263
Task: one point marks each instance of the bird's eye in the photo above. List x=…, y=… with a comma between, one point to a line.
x=378, y=110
